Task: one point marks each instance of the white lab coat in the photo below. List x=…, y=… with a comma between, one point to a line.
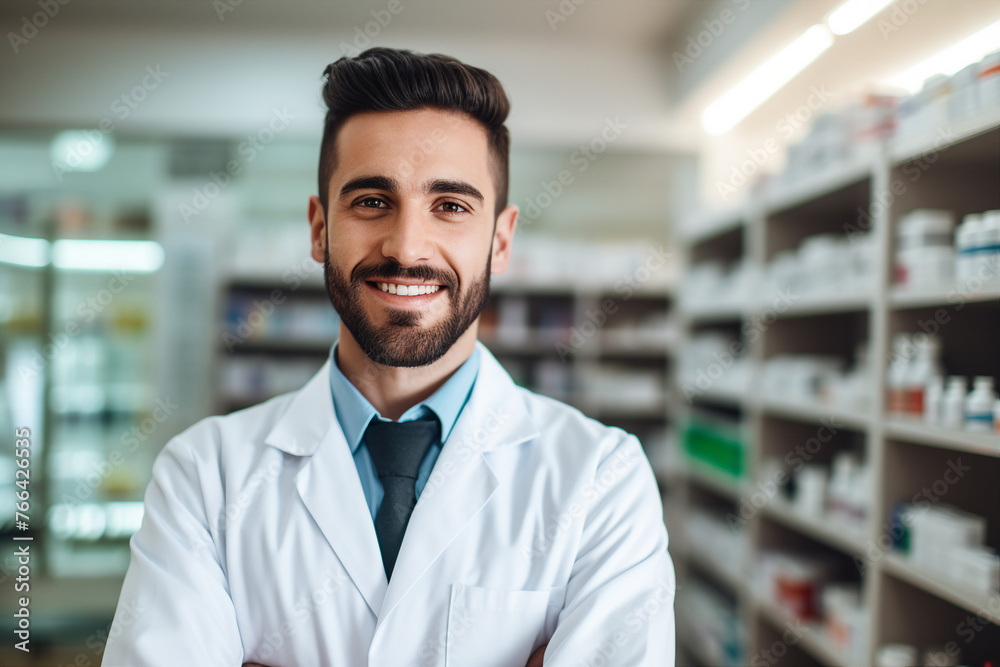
x=537, y=525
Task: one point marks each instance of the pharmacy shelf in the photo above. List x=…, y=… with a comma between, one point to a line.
x=827, y=202
x=637, y=351
x=974, y=601
x=823, y=305
x=918, y=432
x=602, y=408
x=579, y=290
x=539, y=346
x=712, y=314
x=944, y=296
x=721, y=396
x=814, y=640
x=529, y=347
x=832, y=532
x=232, y=402
x=287, y=283
x=696, y=649
x=713, y=224
x=821, y=184
x=706, y=562
x=281, y=346
x=815, y=413
x=714, y=480
x=945, y=138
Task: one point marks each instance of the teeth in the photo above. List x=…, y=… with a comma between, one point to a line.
x=408, y=290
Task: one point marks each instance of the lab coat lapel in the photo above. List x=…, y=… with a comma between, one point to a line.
x=329, y=485
x=462, y=482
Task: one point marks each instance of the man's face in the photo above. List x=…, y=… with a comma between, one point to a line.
x=411, y=206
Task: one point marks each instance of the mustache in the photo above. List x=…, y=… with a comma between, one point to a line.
x=392, y=269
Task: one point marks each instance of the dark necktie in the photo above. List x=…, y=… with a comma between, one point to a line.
x=397, y=449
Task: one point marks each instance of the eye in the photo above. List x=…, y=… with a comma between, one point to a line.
x=452, y=207
x=371, y=202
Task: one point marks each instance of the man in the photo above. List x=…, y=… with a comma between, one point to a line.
x=410, y=505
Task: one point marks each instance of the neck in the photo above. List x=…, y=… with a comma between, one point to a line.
x=394, y=390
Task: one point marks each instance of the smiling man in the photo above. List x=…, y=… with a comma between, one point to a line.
x=410, y=505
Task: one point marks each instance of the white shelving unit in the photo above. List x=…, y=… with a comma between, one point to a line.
x=533, y=358
x=905, y=603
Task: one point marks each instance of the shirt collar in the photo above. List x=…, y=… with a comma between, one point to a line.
x=354, y=411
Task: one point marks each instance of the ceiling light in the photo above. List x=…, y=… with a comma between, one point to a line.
x=81, y=150
x=751, y=92
x=100, y=255
x=23, y=251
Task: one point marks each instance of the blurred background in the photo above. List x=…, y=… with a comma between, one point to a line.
x=762, y=235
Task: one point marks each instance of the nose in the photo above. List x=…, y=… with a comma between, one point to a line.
x=408, y=238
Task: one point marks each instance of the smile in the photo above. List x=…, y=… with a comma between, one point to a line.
x=407, y=290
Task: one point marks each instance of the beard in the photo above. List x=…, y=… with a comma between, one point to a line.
x=402, y=341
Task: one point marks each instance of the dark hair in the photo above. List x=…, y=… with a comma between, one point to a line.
x=382, y=79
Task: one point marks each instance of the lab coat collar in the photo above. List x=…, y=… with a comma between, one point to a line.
x=309, y=416
x=460, y=486
x=355, y=412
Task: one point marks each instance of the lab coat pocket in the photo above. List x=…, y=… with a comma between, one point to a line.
x=488, y=627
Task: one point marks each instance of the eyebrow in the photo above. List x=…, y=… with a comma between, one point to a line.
x=439, y=186
x=368, y=183
x=442, y=187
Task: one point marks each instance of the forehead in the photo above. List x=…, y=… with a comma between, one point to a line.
x=414, y=146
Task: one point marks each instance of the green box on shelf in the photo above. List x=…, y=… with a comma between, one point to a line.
x=715, y=445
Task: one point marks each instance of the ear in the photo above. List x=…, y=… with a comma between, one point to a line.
x=317, y=228
x=503, y=236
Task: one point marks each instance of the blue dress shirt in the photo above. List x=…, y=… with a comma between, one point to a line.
x=354, y=412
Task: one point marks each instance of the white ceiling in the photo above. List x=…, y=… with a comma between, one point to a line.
x=608, y=58
x=226, y=75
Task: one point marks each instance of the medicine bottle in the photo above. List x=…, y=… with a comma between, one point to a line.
x=896, y=374
x=933, y=396
x=979, y=405
x=953, y=403
x=921, y=370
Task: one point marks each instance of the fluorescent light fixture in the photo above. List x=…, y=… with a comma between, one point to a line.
x=82, y=254
x=99, y=255
x=751, y=92
x=23, y=251
x=969, y=50
x=854, y=13
x=81, y=150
